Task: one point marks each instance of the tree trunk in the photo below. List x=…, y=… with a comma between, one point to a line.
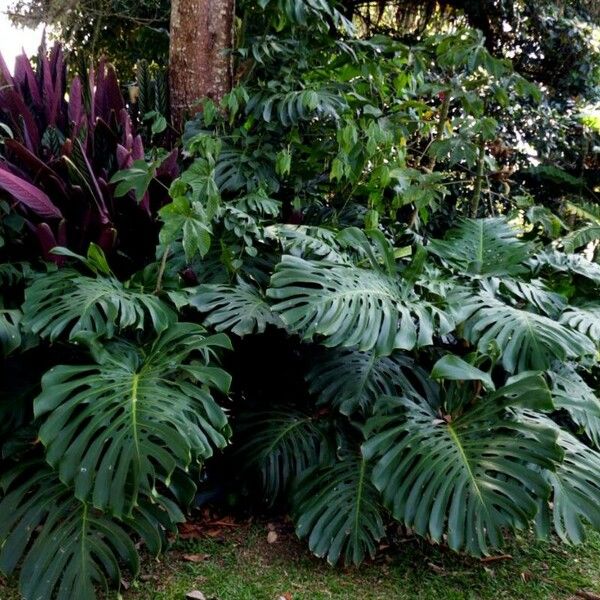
x=200, y=65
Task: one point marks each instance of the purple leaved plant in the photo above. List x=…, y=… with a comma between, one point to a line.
x=65, y=148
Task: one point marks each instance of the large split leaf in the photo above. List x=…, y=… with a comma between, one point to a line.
x=338, y=509
x=466, y=476
x=573, y=505
x=67, y=547
x=113, y=428
x=483, y=247
x=574, y=395
x=575, y=492
x=352, y=380
x=306, y=241
x=65, y=301
x=585, y=318
x=241, y=309
x=281, y=444
x=526, y=340
x=573, y=264
x=350, y=306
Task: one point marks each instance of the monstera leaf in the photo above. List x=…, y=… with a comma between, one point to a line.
x=573, y=394
x=575, y=492
x=465, y=476
x=113, y=428
x=573, y=264
x=75, y=548
x=351, y=380
x=306, y=241
x=483, y=247
x=573, y=505
x=535, y=293
x=241, y=308
x=585, y=319
x=337, y=507
x=67, y=301
x=281, y=444
x=10, y=332
x=525, y=339
x=350, y=306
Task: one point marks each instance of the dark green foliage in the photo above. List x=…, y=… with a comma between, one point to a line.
x=394, y=359
x=338, y=509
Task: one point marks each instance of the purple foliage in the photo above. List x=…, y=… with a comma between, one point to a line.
x=65, y=150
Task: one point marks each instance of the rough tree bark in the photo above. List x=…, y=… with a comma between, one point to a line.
x=199, y=64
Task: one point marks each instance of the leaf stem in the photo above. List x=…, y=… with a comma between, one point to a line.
x=161, y=270
x=478, y=180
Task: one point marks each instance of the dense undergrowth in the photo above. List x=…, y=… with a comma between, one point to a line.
x=354, y=303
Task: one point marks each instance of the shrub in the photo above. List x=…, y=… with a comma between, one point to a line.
x=408, y=345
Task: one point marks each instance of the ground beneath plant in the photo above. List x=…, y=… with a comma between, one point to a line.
x=227, y=559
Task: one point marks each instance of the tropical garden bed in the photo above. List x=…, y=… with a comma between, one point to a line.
x=356, y=284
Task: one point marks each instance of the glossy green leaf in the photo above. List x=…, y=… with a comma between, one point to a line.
x=68, y=549
x=525, y=339
x=353, y=381
x=463, y=478
x=280, y=444
x=338, y=509
x=350, y=306
x=65, y=302
x=454, y=368
x=115, y=428
x=241, y=309
x=573, y=394
x=483, y=247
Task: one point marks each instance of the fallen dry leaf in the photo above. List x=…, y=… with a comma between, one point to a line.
x=587, y=595
x=286, y=596
x=213, y=533
x=272, y=537
x=195, y=595
x=195, y=558
x=489, y=559
x=436, y=568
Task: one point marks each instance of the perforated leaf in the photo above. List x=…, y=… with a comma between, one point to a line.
x=585, y=318
x=573, y=394
x=483, y=247
x=240, y=308
x=280, y=444
x=464, y=477
x=73, y=548
x=525, y=339
x=351, y=380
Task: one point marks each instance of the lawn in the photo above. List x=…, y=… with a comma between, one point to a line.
x=264, y=561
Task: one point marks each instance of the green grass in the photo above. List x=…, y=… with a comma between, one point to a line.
x=243, y=566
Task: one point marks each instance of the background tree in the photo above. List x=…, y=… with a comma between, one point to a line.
x=200, y=64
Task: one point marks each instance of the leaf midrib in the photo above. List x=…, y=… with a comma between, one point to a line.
x=455, y=438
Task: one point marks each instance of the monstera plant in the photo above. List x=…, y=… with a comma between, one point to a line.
x=411, y=342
